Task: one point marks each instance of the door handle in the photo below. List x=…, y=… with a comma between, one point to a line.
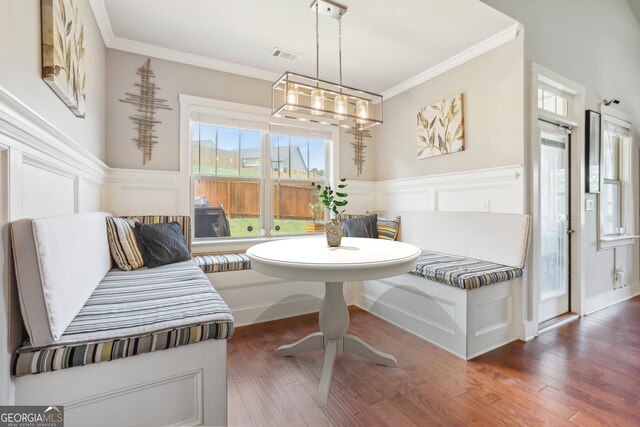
x=569, y=231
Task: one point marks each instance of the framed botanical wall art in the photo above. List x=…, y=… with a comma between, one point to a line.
x=441, y=128
x=63, y=65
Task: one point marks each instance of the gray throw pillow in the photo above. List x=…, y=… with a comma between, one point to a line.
x=364, y=226
x=161, y=244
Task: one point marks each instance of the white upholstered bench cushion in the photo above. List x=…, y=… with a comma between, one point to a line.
x=59, y=262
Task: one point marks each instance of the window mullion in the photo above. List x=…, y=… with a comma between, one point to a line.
x=267, y=202
x=215, y=160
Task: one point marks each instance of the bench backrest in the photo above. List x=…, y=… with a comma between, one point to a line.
x=59, y=262
x=494, y=237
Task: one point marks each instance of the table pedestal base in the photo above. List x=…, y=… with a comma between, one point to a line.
x=333, y=338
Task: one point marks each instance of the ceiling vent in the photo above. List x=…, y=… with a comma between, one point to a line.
x=285, y=55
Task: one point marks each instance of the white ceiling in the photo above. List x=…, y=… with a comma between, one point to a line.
x=386, y=44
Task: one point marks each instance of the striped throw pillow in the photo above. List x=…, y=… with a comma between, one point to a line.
x=388, y=228
x=123, y=244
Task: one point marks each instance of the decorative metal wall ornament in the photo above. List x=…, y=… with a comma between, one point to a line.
x=358, y=146
x=147, y=104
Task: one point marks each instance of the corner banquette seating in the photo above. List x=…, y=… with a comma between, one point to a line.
x=465, y=294
x=95, y=334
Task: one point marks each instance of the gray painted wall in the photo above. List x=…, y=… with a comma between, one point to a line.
x=20, y=72
x=493, y=91
x=596, y=44
x=173, y=79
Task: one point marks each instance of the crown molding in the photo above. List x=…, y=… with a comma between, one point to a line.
x=102, y=19
x=474, y=51
x=120, y=43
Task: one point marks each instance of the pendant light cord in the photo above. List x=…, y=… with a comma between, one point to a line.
x=317, y=41
x=340, y=47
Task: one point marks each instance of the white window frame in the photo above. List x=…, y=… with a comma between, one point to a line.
x=548, y=86
x=626, y=194
x=235, y=112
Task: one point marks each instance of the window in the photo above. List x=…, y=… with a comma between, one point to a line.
x=296, y=162
x=553, y=100
x=250, y=179
x=616, y=216
x=226, y=181
x=611, y=201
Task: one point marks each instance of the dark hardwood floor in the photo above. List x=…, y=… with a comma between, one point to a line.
x=584, y=373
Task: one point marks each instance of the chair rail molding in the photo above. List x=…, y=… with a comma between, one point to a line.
x=43, y=173
x=25, y=129
x=498, y=190
x=145, y=192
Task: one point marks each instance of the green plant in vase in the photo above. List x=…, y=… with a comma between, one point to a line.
x=334, y=201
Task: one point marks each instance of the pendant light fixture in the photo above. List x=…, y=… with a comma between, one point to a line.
x=305, y=98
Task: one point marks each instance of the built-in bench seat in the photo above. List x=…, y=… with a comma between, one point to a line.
x=218, y=263
x=463, y=273
x=78, y=311
x=135, y=312
x=466, y=292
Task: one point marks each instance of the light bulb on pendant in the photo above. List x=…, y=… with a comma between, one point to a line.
x=362, y=110
x=317, y=102
x=340, y=106
x=292, y=96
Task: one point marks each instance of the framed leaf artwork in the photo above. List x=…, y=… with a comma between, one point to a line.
x=441, y=128
x=63, y=65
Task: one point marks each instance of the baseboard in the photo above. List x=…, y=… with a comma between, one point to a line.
x=530, y=331
x=488, y=349
x=612, y=297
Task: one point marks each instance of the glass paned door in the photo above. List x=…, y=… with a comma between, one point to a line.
x=554, y=223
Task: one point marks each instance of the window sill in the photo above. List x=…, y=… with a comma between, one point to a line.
x=605, y=243
x=240, y=245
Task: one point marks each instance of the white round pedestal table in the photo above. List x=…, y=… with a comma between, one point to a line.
x=311, y=259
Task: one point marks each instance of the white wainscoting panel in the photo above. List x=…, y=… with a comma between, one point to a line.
x=163, y=393
x=143, y=192
x=46, y=191
x=486, y=190
x=256, y=298
x=433, y=312
x=170, y=387
x=361, y=196
x=42, y=173
x=465, y=323
x=89, y=195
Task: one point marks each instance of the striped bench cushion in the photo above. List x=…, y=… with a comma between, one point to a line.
x=222, y=262
x=135, y=312
x=463, y=273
